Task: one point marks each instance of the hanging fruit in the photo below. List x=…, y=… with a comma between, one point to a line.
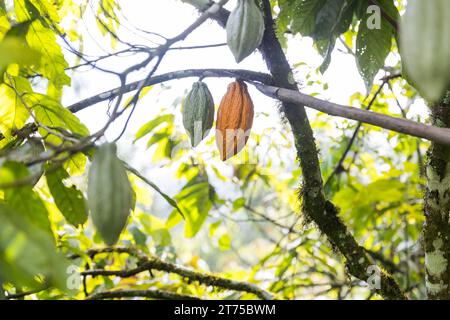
x=198, y=112
x=424, y=46
x=110, y=196
x=234, y=120
x=245, y=29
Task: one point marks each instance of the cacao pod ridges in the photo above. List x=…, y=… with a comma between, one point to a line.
x=234, y=120
x=198, y=112
x=245, y=29
x=425, y=47
x=110, y=195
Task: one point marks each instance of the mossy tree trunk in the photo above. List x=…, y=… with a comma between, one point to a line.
x=437, y=210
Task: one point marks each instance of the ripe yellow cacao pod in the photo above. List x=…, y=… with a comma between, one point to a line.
x=245, y=29
x=234, y=120
x=198, y=112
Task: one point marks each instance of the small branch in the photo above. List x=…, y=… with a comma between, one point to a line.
x=206, y=46
x=26, y=293
x=154, y=294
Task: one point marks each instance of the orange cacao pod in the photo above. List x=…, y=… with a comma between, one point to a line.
x=234, y=120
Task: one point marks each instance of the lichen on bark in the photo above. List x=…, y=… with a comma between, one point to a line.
x=436, y=232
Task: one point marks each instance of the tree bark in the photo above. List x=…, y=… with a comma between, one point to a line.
x=436, y=232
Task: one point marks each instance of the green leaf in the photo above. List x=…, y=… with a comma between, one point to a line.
x=224, y=242
x=239, y=203
x=327, y=18
x=24, y=154
x=23, y=199
x=333, y=19
x=19, y=30
x=25, y=10
x=156, y=228
x=26, y=251
x=58, y=119
x=53, y=64
x=15, y=50
x=52, y=114
x=139, y=237
x=47, y=8
x=303, y=13
x=13, y=113
x=69, y=200
x=372, y=47
x=195, y=203
x=157, y=137
x=151, y=125
x=213, y=227
x=163, y=150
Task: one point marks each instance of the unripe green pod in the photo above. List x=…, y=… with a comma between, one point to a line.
x=110, y=196
x=425, y=46
x=245, y=29
x=198, y=112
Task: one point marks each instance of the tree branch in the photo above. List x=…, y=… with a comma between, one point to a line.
x=152, y=293
x=201, y=73
x=21, y=295
x=409, y=127
x=154, y=263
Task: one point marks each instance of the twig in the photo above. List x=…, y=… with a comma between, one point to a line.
x=26, y=293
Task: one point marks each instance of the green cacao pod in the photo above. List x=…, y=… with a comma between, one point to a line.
x=110, y=196
x=198, y=112
x=425, y=46
x=245, y=29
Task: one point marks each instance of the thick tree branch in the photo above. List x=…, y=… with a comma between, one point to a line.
x=409, y=127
